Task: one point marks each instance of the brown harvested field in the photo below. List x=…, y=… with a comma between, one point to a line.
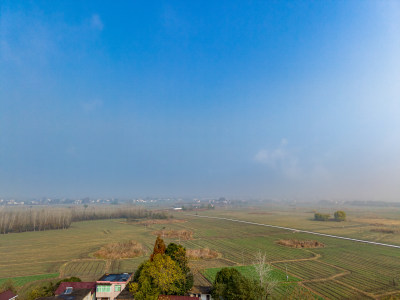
x=379, y=222
x=161, y=221
x=301, y=244
x=204, y=253
x=182, y=234
x=129, y=249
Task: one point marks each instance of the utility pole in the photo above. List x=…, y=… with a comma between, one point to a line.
x=287, y=277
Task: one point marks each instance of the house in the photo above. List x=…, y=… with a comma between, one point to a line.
x=67, y=288
x=109, y=286
x=125, y=294
x=73, y=294
x=8, y=295
x=201, y=292
x=201, y=287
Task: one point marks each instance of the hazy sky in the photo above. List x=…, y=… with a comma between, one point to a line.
x=219, y=98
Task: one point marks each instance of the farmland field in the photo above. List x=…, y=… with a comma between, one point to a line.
x=342, y=269
x=249, y=272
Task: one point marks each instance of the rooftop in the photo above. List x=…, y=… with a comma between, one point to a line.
x=75, y=295
x=75, y=286
x=122, y=277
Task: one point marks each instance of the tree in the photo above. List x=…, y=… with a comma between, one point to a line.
x=229, y=284
x=340, y=216
x=162, y=275
x=266, y=282
x=159, y=247
x=42, y=290
x=321, y=217
x=178, y=254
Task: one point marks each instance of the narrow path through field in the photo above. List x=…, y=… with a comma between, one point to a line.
x=299, y=230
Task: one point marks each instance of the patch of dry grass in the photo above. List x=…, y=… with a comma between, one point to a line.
x=376, y=221
x=159, y=221
x=129, y=249
x=182, y=234
x=204, y=253
x=384, y=230
x=301, y=244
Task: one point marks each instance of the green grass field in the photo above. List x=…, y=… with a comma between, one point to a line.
x=341, y=267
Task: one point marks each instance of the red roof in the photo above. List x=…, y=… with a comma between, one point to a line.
x=75, y=286
x=173, y=297
x=7, y=295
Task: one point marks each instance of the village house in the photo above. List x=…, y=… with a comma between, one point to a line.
x=201, y=287
x=74, y=291
x=109, y=286
x=86, y=289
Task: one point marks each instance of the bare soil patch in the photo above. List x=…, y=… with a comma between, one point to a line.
x=309, y=244
x=182, y=234
x=129, y=249
x=204, y=253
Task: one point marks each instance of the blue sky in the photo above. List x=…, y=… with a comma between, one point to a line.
x=269, y=99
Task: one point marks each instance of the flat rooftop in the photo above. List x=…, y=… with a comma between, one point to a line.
x=122, y=277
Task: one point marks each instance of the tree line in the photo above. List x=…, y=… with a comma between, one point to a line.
x=47, y=218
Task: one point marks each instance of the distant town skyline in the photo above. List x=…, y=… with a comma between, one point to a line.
x=288, y=99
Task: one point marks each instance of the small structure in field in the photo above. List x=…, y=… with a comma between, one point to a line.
x=109, y=286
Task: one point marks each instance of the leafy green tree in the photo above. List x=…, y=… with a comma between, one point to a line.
x=162, y=275
x=321, y=217
x=229, y=284
x=178, y=254
x=340, y=216
x=159, y=247
x=45, y=290
x=144, y=291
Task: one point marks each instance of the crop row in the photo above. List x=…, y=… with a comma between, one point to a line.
x=334, y=290
x=84, y=268
x=307, y=270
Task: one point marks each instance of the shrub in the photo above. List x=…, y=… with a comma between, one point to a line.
x=321, y=217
